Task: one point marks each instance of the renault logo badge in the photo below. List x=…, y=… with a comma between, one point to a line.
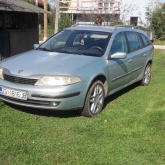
x=20, y=71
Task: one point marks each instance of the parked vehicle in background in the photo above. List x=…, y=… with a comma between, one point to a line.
x=77, y=68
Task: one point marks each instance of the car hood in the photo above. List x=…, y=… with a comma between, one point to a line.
x=38, y=62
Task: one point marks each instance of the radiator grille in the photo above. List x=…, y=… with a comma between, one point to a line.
x=19, y=80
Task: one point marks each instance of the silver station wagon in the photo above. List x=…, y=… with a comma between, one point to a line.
x=77, y=68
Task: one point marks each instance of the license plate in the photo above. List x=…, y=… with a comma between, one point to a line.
x=13, y=93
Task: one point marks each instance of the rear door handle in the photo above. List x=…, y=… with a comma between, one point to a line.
x=144, y=55
x=130, y=61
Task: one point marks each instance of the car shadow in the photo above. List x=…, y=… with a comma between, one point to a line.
x=69, y=113
x=119, y=93
x=46, y=112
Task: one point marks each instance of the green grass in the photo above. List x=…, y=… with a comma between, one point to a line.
x=129, y=131
x=159, y=42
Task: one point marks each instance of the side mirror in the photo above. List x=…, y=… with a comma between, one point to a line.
x=35, y=46
x=118, y=55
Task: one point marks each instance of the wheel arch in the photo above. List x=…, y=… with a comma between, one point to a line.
x=150, y=61
x=86, y=109
x=101, y=78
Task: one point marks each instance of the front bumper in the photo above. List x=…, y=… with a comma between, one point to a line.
x=55, y=98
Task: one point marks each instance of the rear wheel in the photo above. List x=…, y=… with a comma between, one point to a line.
x=147, y=75
x=94, y=100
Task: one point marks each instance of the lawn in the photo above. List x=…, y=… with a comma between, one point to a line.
x=129, y=131
x=159, y=42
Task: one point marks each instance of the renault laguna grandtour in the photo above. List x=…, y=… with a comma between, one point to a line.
x=77, y=68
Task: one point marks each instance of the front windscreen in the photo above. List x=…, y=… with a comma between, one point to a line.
x=81, y=42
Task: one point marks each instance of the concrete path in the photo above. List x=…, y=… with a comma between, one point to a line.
x=159, y=47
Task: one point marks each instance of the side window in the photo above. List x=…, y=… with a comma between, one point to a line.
x=140, y=41
x=133, y=41
x=145, y=40
x=119, y=44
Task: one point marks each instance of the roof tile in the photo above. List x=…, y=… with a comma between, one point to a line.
x=19, y=5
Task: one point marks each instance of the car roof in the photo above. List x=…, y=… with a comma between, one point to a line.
x=110, y=29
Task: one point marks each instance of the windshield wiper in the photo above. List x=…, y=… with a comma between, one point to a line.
x=45, y=49
x=66, y=51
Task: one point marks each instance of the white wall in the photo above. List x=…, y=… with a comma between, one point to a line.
x=137, y=9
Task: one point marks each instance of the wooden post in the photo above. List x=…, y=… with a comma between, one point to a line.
x=36, y=2
x=45, y=20
x=57, y=16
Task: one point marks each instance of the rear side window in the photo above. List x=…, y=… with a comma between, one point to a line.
x=119, y=44
x=145, y=39
x=140, y=41
x=133, y=41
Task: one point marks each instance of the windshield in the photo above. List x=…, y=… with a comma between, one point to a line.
x=81, y=42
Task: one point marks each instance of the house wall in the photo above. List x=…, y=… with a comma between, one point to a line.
x=4, y=45
x=90, y=6
x=136, y=9
x=91, y=11
x=21, y=41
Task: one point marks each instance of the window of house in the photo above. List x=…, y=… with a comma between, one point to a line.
x=134, y=21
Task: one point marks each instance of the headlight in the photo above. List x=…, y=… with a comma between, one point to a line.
x=57, y=80
x=1, y=73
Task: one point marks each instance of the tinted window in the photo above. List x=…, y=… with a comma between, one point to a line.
x=119, y=44
x=140, y=41
x=58, y=41
x=81, y=42
x=145, y=39
x=133, y=41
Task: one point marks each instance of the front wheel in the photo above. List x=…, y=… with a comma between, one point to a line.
x=147, y=75
x=94, y=99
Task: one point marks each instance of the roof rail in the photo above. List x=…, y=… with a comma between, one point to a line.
x=125, y=26
x=129, y=26
x=86, y=25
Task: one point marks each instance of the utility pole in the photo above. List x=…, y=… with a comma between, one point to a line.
x=36, y=2
x=57, y=16
x=45, y=20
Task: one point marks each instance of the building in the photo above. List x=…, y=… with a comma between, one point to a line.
x=18, y=27
x=133, y=12
x=91, y=11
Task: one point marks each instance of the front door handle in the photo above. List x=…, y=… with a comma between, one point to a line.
x=130, y=61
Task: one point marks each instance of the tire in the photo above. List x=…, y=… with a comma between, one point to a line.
x=147, y=75
x=94, y=100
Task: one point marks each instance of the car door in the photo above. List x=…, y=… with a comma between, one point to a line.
x=137, y=54
x=119, y=69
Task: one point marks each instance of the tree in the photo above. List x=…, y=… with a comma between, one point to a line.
x=65, y=21
x=157, y=23
x=155, y=14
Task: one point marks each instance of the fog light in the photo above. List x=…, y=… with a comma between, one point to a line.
x=55, y=103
